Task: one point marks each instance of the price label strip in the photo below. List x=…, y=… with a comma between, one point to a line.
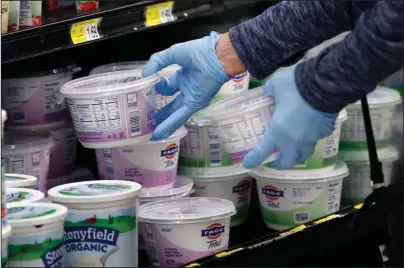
x=85, y=31
x=159, y=13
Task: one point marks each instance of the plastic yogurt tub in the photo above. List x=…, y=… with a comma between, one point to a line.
x=357, y=186
x=237, y=84
x=79, y=174
x=32, y=99
x=28, y=153
x=5, y=234
x=20, y=181
x=179, y=231
x=232, y=183
x=382, y=103
x=289, y=198
x=37, y=237
x=326, y=151
x=23, y=195
x=112, y=109
x=242, y=121
x=153, y=164
x=101, y=225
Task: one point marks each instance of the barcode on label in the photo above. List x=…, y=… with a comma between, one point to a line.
x=135, y=122
x=215, y=155
x=92, y=32
x=166, y=15
x=153, y=254
x=301, y=217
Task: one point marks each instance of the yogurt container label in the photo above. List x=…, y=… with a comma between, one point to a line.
x=93, y=189
x=162, y=100
x=18, y=196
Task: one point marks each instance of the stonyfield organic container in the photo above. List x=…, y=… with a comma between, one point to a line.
x=112, y=109
x=382, y=103
x=5, y=234
x=28, y=153
x=79, y=174
x=37, y=237
x=152, y=164
x=23, y=195
x=291, y=197
x=326, y=151
x=20, y=181
x=30, y=13
x=358, y=186
x=231, y=183
x=179, y=231
x=242, y=121
x=101, y=226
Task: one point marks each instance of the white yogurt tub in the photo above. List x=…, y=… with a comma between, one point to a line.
x=382, y=103
x=326, y=151
x=79, y=174
x=242, y=121
x=20, y=181
x=179, y=231
x=152, y=164
x=23, y=195
x=237, y=84
x=5, y=234
x=289, y=198
x=112, y=109
x=231, y=183
x=37, y=237
x=28, y=153
x=357, y=186
x=101, y=225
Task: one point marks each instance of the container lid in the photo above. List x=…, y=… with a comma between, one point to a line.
x=118, y=66
x=381, y=96
x=108, y=83
x=216, y=173
x=31, y=214
x=200, y=120
x=177, y=135
x=20, y=180
x=182, y=186
x=386, y=154
x=169, y=71
x=186, y=210
x=339, y=171
x=17, y=140
x=5, y=231
x=239, y=103
x=19, y=195
x=94, y=191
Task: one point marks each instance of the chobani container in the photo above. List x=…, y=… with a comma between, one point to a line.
x=153, y=164
x=104, y=213
x=3, y=179
x=112, y=109
x=382, y=103
x=20, y=181
x=28, y=153
x=5, y=234
x=242, y=121
x=291, y=197
x=205, y=222
x=357, y=186
x=326, y=151
x=37, y=237
x=23, y=195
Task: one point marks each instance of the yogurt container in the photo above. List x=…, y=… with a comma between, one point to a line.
x=5, y=10
x=152, y=164
x=28, y=153
x=326, y=151
x=382, y=103
x=112, y=109
x=79, y=174
x=237, y=84
x=3, y=181
x=101, y=225
x=20, y=181
x=30, y=13
x=242, y=121
x=33, y=98
x=179, y=231
x=291, y=197
x=14, y=16
x=23, y=195
x=5, y=234
x=358, y=185
x=231, y=183
x=37, y=237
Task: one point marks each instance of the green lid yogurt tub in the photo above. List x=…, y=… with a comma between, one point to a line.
x=5, y=234
x=20, y=181
x=101, y=225
x=205, y=221
x=23, y=195
x=37, y=238
x=291, y=197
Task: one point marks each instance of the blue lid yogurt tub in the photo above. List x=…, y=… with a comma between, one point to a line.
x=37, y=237
x=5, y=234
x=23, y=195
x=205, y=221
x=101, y=225
x=20, y=181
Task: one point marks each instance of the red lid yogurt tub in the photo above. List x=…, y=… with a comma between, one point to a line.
x=20, y=181
x=242, y=121
x=112, y=109
x=205, y=221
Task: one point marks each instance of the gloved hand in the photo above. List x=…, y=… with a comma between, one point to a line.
x=295, y=127
x=199, y=80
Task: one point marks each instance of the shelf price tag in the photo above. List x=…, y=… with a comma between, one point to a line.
x=159, y=14
x=85, y=31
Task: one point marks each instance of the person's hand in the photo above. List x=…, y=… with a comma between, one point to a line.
x=295, y=127
x=200, y=78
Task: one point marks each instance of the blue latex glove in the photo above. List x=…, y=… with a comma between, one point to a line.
x=200, y=78
x=295, y=127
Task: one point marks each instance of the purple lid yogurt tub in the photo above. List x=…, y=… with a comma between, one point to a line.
x=194, y=227
x=112, y=109
x=242, y=121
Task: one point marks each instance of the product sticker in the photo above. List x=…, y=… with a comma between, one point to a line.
x=94, y=189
